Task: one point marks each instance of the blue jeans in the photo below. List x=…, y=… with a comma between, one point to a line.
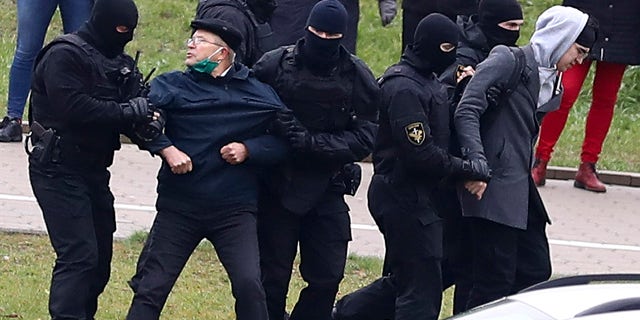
x=34, y=18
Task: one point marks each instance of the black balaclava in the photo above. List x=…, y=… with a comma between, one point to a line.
x=328, y=16
x=425, y=52
x=587, y=38
x=101, y=31
x=492, y=12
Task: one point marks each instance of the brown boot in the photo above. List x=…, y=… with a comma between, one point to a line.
x=539, y=172
x=587, y=178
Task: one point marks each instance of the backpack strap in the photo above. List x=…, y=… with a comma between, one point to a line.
x=496, y=95
x=517, y=74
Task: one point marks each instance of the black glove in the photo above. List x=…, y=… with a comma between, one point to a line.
x=283, y=121
x=136, y=110
x=147, y=131
x=299, y=138
x=472, y=169
x=388, y=10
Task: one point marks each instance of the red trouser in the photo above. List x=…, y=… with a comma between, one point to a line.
x=605, y=93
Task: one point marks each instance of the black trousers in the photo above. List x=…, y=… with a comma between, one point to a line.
x=505, y=259
x=323, y=236
x=412, y=285
x=77, y=207
x=173, y=238
x=457, y=261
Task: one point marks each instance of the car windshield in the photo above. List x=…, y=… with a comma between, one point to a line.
x=503, y=310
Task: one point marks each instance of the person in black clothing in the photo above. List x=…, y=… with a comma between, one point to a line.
x=414, y=10
x=289, y=18
x=410, y=162
x=497, y=23
x=214, y=147
x=333, y=97
x=250, y=17
x=79, y=105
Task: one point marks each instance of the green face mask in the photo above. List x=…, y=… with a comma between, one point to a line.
x=206, y=66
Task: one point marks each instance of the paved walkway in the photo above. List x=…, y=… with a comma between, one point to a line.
x=591, y=233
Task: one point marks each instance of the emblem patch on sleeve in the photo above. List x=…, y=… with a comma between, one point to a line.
x=415, y=133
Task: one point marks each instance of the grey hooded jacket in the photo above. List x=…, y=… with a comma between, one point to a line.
x=504, y=134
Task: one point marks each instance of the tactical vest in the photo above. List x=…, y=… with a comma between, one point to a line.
x=110, y=79
x=321, y=103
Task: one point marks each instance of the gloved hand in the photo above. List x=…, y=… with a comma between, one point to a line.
x=388, y=10
x=136, y=110
x=150, y=130
x=283, y=121
x=299, y=137
x=472, y=169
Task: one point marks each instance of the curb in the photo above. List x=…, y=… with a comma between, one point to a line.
x=618, y=178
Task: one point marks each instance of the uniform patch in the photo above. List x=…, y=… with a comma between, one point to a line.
x=415, y=133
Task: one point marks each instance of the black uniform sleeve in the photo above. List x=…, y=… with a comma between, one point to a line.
x=367, y=92
x=353, y=144
x=66, y=75
x=266, y=69
x=161, y=96
x=495, y=71
x=412, y=135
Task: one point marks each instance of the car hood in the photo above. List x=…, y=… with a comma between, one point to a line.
x=566, y=302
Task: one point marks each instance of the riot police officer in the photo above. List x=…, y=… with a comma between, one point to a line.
x=288, y=20
x=333, y=97
x=410, y=162
x=83, y=96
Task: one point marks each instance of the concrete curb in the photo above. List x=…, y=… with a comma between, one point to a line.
x=628, y=179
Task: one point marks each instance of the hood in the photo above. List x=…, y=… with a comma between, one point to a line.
x=557, y=29
x=472, y=36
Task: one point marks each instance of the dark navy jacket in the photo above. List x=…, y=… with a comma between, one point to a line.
x=204, y=114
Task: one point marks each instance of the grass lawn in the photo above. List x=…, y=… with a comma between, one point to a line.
x=202, y=291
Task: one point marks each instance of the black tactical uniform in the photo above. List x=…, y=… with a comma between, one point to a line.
x=410, y=161
x=80, y=83
x=414, y=10
x=288, y=21
x=334, y=97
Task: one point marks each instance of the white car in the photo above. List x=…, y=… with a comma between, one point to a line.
x=587, y=297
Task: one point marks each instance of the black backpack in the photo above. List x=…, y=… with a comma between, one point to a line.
x=262, y=39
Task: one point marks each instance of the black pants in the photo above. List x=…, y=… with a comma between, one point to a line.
x=412, y=288
x=77, y=207
x=457, y=261
x=173, y=238
x=507, y=260
x=323, y=237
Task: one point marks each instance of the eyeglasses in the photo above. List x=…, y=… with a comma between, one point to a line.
x=582, y=52
x=198, y=41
